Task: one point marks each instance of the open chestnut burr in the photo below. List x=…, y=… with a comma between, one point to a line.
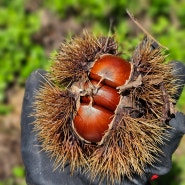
x=101, y=113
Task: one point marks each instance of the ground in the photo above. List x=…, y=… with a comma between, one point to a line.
x=10, y=134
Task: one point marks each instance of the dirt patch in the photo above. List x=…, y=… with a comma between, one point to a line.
x=54, y=30
x=10, y=134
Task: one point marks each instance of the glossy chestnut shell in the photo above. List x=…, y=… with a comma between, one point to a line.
x=96, y=110
x=114, y=70
x=92, y=121
x=105, y=96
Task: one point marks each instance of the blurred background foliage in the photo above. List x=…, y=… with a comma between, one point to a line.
x=30, y=30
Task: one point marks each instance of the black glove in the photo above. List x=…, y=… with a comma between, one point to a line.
x=39, y=167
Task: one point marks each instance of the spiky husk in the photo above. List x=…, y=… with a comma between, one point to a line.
x=74, y=59
x=132, y=142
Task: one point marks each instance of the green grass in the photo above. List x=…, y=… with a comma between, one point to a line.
x=17, y=177
x=18, y=53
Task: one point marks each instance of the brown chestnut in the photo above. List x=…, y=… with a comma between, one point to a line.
x=105, y=96
x=92, y=121
x=114, y=70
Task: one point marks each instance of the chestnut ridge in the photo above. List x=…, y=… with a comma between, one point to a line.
x=137, y=125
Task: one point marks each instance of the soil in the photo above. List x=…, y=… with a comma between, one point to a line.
x=10, y=134
x=54, y=31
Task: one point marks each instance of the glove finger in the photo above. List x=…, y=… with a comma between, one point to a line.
x=33, y=160
x=179, y=73
x=38, y=166
x=164, y=161
x=179, y=124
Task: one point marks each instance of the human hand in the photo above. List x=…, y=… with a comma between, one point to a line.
x=39, y=166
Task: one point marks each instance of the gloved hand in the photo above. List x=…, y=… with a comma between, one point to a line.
x=39, y=167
